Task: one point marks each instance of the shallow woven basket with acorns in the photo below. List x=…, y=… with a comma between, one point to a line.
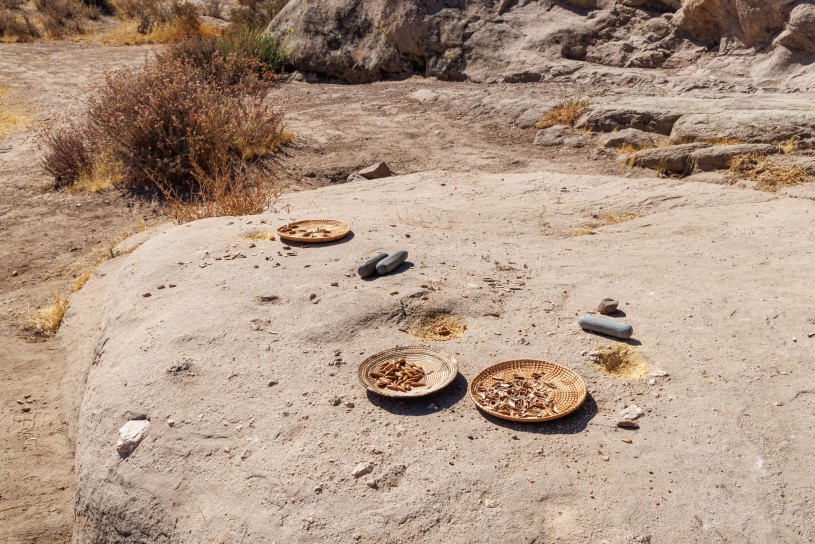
x=314, y=231
x=528, y=390
x=438, y=370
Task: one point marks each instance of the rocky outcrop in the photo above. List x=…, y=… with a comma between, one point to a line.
x=610, y=118
x=525, y=40
x=737, y=23
x=744, y=126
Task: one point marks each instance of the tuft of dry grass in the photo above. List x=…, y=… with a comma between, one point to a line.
x=620, y=361
x=613, y=218
x=223, y=194
x=257, y=236
x=82, y=279
x=46, y=320
x=127, y=33
x=582, y=232
x=628, y=149
x=791, y=146
x=89, y=265
x=566, y=112
x=768, y=174
x=13, y=114
x=437, y=327
x=104, y=172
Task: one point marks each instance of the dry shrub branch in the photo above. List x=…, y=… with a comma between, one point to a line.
x=566, y=112
x=194, y=124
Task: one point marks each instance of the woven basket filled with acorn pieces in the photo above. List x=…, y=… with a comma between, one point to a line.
x=408, y=372
x=528, y=390
x=315, y=231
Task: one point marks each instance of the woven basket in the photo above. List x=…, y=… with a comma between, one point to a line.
x=335, y=231
x=440, y=368
x=570, y=389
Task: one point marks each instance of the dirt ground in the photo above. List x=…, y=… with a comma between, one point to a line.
x=45, y=236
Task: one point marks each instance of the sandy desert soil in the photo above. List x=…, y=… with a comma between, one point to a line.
x=44, y=234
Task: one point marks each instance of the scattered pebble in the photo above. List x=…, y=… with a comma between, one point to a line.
x=608, y=306
x=145, y=295
x=312, y=296
x=628, y=440
x=272, y=383
x=362, y=469
x=628, y=424
x=631, y=412
x=26, y=408
x=335, y=284
x=14, y=273
x=130, y=435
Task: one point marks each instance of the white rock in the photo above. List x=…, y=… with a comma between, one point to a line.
x=362, y=469
x=631, y=413
x=131, y=434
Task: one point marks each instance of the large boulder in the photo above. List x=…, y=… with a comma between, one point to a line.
x=609, y=118
x=718, y=157
x=800, y=32
x=745, y=23
x=359, y=41
x=744, y=126
x=673, y=159
x=526, y=41
x=628, y=136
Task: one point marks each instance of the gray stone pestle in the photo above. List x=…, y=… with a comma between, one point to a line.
x=606, y=326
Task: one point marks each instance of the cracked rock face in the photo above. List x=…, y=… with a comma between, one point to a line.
x=499, y=40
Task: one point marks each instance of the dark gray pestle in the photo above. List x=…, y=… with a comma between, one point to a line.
x=391, y=263
x=606, y=326
x=369, y=267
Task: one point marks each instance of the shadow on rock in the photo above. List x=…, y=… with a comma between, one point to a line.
x=423, y=406
x=629, y=341
x=404, y=267
x=575, y=422
x=317, y=245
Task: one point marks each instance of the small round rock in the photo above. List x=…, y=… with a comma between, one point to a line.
x=608, y=306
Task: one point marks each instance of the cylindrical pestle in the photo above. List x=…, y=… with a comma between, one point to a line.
x=390, y=264
x=606, y=326
x=369, y=267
